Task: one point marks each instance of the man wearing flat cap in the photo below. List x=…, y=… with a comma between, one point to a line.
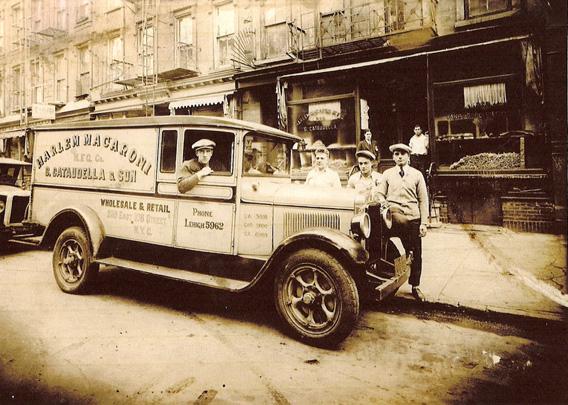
x=366, y=179
x=194, y=170
x=403, y=190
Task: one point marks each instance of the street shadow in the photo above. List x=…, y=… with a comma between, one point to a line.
x=254, y=306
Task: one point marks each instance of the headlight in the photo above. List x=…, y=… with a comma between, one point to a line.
x=386, y=214
x=2, y=206
x=361, y=225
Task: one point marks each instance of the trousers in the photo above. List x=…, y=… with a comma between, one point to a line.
x=410, y=237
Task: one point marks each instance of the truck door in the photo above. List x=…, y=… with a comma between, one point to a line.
x=205, y=215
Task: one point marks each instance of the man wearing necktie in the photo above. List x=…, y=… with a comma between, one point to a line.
x=403, y=190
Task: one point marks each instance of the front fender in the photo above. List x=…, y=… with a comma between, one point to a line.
x=350, y=252
x=77, y=215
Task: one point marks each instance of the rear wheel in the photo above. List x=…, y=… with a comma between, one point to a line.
x=316, y=297
x=74, y=271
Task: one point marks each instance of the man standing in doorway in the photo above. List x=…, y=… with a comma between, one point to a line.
x=403, y=190
x=419, y=147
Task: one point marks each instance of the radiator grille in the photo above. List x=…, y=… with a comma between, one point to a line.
x=19, y=205
x=296, y=221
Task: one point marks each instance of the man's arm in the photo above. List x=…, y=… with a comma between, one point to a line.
x=422, y=199
x=190, y=175
x=380, y=192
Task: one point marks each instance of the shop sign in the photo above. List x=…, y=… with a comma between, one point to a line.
x=320, y=116
x=43, y=111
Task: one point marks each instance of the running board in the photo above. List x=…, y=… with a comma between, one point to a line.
x=177, y=274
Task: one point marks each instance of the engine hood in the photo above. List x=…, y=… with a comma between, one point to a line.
x=298, y=195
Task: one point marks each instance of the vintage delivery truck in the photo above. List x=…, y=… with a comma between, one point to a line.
x=105, y=193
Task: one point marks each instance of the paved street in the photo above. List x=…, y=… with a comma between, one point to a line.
x=142, y=339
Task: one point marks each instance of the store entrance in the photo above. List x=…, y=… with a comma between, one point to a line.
x=396, y=95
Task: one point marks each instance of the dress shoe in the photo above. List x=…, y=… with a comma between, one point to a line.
x=418, y=295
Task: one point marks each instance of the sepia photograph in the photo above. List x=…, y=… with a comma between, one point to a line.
x=283, y=202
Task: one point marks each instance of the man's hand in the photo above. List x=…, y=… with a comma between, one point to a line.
x=423, y=230
x=206, y=171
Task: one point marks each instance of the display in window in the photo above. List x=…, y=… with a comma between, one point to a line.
x=488, y=161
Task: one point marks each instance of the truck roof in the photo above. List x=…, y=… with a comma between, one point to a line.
x=169, y=120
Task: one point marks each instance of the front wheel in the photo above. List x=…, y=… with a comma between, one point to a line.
x=73, y=266
x=316, y=297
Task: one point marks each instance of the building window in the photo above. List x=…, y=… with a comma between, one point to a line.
x=60, y=78
x=36, y=81
x=115, y=62
x=2, y=101
x=61, y=15
x=17, y=27
x=146, y=50
x=15, y=91
x=275, y=31
x=1, y=31
x=476, y=8
x=83, y=10
x=185, y=48
x=113, y=5
x=225, y=32
x=84, y=79
x=36, y=15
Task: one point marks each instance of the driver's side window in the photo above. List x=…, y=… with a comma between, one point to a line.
x=222, y=161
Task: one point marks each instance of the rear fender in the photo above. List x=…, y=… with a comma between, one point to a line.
x=79, y=215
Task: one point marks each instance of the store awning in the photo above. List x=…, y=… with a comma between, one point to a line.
x=210, y=99
x=395, y=58
x=13, y=134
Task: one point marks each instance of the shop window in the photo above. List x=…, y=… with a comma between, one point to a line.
x=476, y=8
x=265, y=157
x=473, y=119
x=222, y=161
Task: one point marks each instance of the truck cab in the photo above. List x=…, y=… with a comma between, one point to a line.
x=106, y=193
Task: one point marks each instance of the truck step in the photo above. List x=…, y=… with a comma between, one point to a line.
x=178, y=274
x=32, y=240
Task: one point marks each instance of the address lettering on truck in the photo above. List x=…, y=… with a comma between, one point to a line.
x=112, y=159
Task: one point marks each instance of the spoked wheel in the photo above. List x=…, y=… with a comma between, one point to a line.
x=72, y=262
x=317, y=298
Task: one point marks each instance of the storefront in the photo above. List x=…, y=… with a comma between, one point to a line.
x=488, y=133
x=336, y=105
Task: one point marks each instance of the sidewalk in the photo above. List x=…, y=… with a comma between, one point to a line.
x=494, y=269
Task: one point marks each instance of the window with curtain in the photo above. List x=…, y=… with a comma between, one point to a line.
x=275, y=30
x=36, y=81
x=84, y=78
x=146, y=49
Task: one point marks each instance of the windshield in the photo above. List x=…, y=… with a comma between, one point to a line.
x=9, y=174
x=266, y=156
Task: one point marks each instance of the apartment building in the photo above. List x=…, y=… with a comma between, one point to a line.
x=482, y=76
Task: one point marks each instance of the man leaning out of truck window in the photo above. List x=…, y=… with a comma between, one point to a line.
x=194, y=170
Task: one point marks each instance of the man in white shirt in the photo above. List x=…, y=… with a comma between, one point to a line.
x=366, y=179
x=419, y=144
x=321, y=175
x=403, y=190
